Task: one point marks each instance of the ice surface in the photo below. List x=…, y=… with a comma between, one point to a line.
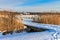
x=52, y=34
x=28, y=36
x=39, y=25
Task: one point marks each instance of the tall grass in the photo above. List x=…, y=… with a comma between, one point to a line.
x=10, y=22
x=48, y=18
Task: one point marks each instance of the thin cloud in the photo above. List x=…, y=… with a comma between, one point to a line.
x=31, y=5
x=10, y=3
x=55, y=6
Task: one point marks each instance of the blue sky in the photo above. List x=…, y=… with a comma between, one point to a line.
x=31, y=5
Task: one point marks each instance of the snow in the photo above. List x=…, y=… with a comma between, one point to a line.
x=28, y=36
x=52, y=34
x=39, y=25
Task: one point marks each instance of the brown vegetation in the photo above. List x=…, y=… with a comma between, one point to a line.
x=49, y=18
x=10, y=22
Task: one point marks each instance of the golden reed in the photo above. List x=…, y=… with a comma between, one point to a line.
x=10, y=22
x=49, y=18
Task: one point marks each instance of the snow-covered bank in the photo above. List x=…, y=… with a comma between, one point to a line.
x=52, y=28
x=50, y=34
x=39, y=25
x=29, y=36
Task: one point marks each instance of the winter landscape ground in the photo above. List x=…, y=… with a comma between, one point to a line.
x=52, y=34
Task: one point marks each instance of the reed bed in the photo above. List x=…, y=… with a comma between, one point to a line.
x=10, y=22
x=49, y=18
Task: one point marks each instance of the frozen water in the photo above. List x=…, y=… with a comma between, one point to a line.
x=52, y=34
x=28, y=36
x=53, y=28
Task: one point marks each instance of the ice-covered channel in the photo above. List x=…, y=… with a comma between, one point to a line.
x=52, y=34
x=52, y=28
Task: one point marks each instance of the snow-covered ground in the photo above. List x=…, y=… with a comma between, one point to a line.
x=29, y=36
x=52, y=34
x=52, y=28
